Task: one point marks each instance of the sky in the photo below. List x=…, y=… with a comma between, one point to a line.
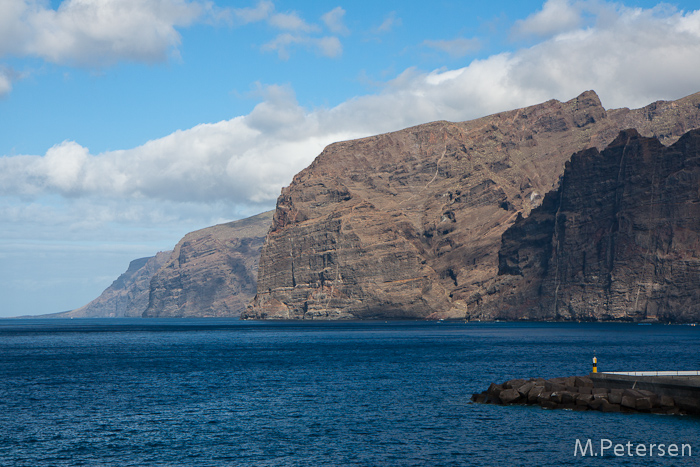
x=125, y=124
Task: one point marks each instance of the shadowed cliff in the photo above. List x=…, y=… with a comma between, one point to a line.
x=619, y=238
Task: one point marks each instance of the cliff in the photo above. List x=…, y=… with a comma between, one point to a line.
x=127, y=296
x=211, y=272
x=409, y=224
x=619, y=238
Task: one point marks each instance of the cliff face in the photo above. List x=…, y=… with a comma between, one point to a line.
x=619, y=239
x=409, y=224
x=127, y=296
x=211, y=272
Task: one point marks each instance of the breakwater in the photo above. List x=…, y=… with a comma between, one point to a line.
x=600, y=391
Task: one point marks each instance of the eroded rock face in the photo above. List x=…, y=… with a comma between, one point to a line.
x=128, y=295
x=211, y=272
x=409, y=224
x=619, y=239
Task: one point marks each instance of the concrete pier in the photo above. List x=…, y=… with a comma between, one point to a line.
x=680, y=385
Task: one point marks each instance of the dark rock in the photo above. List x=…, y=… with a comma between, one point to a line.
x=554, y=386
x=688, y=404
x=629, y=401
x=556, y=396
x=534, y=394
x=583, y=381
x=643, y=404
x=544, y=396
x=494, y=389
x=666, y=401
x=513, y=383
x=548, y=404
x=509, y=396
x=596, y=404
x=634, y=393
x=525, y=388
x=584, y=399
x=615, y=397
x=606, y=406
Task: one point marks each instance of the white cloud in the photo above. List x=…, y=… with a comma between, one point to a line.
x=556, y=16
x=95, y=33
x=291, y=22
x=334, y=21
x=260, y=12
x=455, y=47
x=389, y=23
x=5, y=83
x=328, y=46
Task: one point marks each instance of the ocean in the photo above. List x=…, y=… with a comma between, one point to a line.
x=220, y=392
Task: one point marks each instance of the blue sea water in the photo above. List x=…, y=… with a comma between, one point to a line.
x=237, y=393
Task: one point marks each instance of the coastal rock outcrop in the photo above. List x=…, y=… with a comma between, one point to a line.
x=211, y=272
x=409, y=224
x=127, y=297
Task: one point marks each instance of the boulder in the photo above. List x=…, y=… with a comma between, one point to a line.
x=509, y=396
x=494, y=389
x=629, y=402
x=583, y=381
x=615, y=396
x=513, y=383
x=606, y=406
x=584, y=399
x=534, y=394
x=525, y=388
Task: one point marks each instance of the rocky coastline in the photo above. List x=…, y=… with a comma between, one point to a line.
x=581, y=393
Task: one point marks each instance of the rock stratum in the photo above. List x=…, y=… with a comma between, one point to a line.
x=211, y=272
x=411, y=224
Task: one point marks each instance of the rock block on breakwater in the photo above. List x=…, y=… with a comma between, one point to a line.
x=580, y=393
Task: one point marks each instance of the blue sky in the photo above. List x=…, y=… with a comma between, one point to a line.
x=125, y=124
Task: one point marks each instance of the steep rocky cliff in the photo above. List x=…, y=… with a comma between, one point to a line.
x=619, y=238
x=409, y=224
x=127, y=296
x=211, y=272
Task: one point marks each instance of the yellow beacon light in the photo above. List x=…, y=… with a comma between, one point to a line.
x=595, y=365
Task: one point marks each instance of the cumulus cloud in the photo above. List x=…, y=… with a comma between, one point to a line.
x=555, y=16
x=389, y=23
x=632, y=58
x=291, y=22
x=260, y=12
x=297, y=31
x=328, y=46
x=95, y=33
x=334, y=21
